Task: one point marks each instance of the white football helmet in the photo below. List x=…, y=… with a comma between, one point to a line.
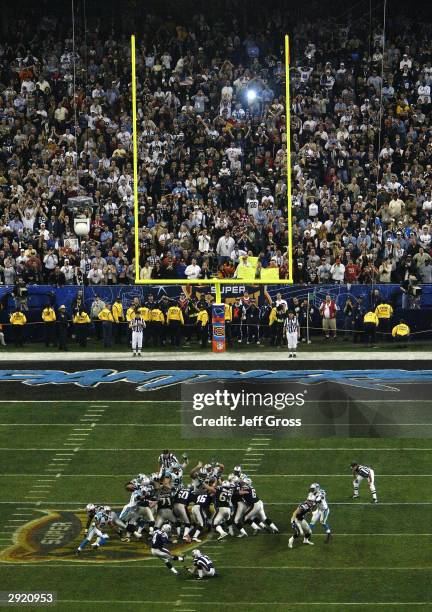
x=196, y=553
x=166, y=528
x=90, y=507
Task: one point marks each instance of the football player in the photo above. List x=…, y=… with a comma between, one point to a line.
x=90, y=511
x=203, y=565
x=299, y=524
x=199, y=477
x=200, y=512
x=165, y=511
x=182, y=498
x=99, y=522
x=322, y=510
x=237, y=475
x=159, y=542
x=255, y=510
x=167, y=459
x=361, y=472
x=144, y=513
x=222, y=497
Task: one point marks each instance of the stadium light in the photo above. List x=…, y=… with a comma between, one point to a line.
x=251, y=95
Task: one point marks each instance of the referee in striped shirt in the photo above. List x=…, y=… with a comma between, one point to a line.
x=291, y=329
x=137, y=325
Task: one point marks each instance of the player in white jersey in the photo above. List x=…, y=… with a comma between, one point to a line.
x=363, y=472
x=237, y=475
x=99, y=522
x=322, y=510
x=291, y=331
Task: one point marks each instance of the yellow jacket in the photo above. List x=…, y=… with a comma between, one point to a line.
x=370, y=317
x=175, y=314
x=142, y=310
x=106, y=315
x=157, y=316
x=117, y=311
x=383, y=311
x=401, y=330
x=228, y=312
x=48, y=315
x=275, y=317
x=202, y=318
x=18, y=318
x=81, y=318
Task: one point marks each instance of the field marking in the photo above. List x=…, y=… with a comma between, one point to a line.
x=247, y=603
x=257, y=476
x=284, y=503
x=220, y=449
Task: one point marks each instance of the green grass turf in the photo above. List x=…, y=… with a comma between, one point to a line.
x=380, y=554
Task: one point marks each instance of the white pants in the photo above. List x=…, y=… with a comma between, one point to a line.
x=145, y=513
x=320, y=515
x=257, y=510
x=292, y=339
x=137, y=340
x=221, y=516
x=156, y=552
x=240, y=511
x=370, y=479
x=181, y=513
x=302, y=525
x=203, y=572
x=198, y=516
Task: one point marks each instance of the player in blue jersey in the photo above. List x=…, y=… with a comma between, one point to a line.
x=160, y=540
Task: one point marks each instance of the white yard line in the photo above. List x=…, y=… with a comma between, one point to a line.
x=262, y=476
x=233, y=450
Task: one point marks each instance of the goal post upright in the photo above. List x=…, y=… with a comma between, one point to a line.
x=288, y=154
x=135, y=159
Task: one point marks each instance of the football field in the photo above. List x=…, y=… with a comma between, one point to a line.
x=56, y=456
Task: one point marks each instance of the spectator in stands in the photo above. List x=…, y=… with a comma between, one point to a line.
x=328, y=310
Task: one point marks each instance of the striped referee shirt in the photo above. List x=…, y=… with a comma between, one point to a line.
x=363, y=470
x=166, y=461
x=291, y=325
x=137, y=324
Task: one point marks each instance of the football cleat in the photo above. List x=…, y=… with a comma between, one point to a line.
x=138, y=534
x=196, y=540
x=223, y=535
x=308, y=542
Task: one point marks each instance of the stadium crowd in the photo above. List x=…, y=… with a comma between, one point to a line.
x=212, y=150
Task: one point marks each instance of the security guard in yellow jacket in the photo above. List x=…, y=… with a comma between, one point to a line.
x=228, y=322
x=18, y=320
x=401, y=332
x=175, y=322
x=49, y=318
x=370, y=324
x=157, y=322
x=107, y=319
x=202, y=323
x=276, y=322
x=384, y=312
x=81, y=322
x=118, y=316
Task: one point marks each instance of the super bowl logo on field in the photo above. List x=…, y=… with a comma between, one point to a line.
x=55, y=534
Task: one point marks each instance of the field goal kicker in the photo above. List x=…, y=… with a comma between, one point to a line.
x=217, y=282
